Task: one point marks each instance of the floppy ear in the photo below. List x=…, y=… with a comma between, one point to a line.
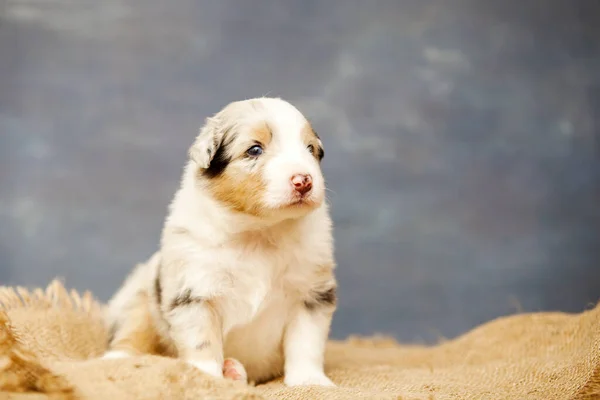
x=207, y=142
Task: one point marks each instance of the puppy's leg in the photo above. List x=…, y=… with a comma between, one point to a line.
x=305, y=339
x=134, y=330
x=196, y=332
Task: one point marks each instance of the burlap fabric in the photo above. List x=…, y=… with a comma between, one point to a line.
x=49, y=341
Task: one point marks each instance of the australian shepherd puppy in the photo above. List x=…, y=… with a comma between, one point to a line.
x=243, y=285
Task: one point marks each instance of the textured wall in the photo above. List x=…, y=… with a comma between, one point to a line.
x=461, y=140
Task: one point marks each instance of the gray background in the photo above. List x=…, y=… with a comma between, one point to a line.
x=461, y=142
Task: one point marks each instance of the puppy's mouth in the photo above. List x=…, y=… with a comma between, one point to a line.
x=302, y=201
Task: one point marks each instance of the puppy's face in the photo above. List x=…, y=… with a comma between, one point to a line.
x=261, y=157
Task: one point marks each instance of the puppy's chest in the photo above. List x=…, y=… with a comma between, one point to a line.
x=264, y=277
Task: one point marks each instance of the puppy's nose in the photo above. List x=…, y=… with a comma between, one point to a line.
x=302, y=183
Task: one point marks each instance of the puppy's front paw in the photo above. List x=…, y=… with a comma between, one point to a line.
x=208, y=367
x=305, y=379
x=234, y=370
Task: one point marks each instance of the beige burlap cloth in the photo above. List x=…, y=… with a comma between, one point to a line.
x=50, y=340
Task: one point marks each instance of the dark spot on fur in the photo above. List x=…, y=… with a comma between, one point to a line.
x=221, y=160
x=185, y=298
x=179, y=230
x=218, y=164
x=158, y=288
x=320, y=153
x=327, y=297
x=320, y=299
x=316, y=134
x=112, y=330
x=203, y=345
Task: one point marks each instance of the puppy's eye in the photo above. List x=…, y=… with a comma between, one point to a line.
x=311, y=148
x=254, y=151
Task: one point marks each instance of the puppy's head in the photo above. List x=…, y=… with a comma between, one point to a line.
x=260, y=157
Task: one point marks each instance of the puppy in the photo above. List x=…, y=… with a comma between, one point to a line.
x=243, y=285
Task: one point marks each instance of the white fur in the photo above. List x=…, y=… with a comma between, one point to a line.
x=256, y=271
x=212, y=368
x=292, y=157
x=115, y=354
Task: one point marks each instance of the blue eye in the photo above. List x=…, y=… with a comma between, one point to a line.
x=254, y=151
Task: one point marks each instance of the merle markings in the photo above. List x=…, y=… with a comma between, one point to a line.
x=185, y=298
x=158, y=289
x=203, y=345
x=319, y=299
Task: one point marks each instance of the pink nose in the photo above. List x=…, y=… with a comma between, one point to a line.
x=302, y=183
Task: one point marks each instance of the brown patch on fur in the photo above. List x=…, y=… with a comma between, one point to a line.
x=239, y=191
x=310, y=138
x=235, y=187
x=308, y=134
x=262, y=134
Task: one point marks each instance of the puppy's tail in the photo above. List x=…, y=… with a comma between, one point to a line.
x=136, y=283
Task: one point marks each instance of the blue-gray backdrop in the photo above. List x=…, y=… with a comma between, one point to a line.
x=461, y=142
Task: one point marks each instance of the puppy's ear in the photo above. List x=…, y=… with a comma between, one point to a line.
x=207, y=142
